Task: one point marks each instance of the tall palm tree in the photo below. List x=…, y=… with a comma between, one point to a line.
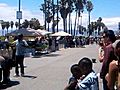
x=11, y=25
x=89, y=7
x=79, y=6
x=70, y=10
x=3, y=27
x=64, y=10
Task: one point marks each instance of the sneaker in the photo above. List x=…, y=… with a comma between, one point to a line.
x=16, y=75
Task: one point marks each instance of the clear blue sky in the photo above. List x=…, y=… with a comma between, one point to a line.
x=103, y=8
x=107, y=9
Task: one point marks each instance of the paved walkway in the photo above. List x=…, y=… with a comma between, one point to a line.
x=51, y=71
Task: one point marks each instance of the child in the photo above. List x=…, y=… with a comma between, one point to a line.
x=90, y=81
x=101, y=51
x=76, y=74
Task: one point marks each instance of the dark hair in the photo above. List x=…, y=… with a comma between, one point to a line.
x=75, y=67
x=118, y=45
x=85, y=62
x=110, y=34
x=20, y=35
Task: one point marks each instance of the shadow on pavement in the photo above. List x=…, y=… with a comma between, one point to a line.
x=28, y=76
x=9, y=84
x=52, y=55
x=44, y=55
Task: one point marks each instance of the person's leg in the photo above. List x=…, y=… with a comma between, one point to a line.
x=16, y=66
x=22, y=65
x=6, y=75
x=0, y=74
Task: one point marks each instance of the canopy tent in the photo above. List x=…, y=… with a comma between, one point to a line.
x=43, y=32
x=61, y=33
x=25, y=32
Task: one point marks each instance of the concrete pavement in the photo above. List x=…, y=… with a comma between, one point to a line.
x=51, y=71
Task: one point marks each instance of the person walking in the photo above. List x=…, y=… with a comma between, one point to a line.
x=20, y=52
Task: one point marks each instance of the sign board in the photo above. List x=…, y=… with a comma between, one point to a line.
x=19, y=14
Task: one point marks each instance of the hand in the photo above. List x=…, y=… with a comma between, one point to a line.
x=73, y=84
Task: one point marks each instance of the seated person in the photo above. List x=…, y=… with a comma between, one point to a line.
x=76, y=74
x=90, y=81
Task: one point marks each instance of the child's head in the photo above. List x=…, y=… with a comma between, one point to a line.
x=75, y=70
x=85, y=65
x=116, y=46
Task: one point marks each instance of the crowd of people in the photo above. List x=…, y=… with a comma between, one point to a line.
x=83, y=75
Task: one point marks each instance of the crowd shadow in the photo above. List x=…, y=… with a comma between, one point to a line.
x=9, y=84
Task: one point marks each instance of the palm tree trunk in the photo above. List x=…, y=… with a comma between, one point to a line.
x=75, y=23
x=77, y=26
x=69, y=21
x=45, y=14
x=89, y=22
x=57, y=14
x=64, y=25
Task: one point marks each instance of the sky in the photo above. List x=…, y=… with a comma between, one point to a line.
x=107, y=9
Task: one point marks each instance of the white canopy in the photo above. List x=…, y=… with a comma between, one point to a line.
x=43, y=32
x=25, y=32
x=61, y=33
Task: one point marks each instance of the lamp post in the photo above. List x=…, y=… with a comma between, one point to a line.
x=19, y=14
x=19, y=11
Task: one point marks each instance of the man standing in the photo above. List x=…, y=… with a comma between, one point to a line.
x=20, y=51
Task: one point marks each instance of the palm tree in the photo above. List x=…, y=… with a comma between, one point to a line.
x=34, y=23
x=11, y=24
x=70, y=10
x=25, y=24
x=100, y=25
x=79, y=6
x=64, y=10
x=89, y=7
x=7, y=25
x=16, y=24
x=3, y=27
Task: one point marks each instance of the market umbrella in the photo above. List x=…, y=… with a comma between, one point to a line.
x=25, y=32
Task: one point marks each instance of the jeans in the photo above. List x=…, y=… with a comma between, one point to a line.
x=19, y=61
